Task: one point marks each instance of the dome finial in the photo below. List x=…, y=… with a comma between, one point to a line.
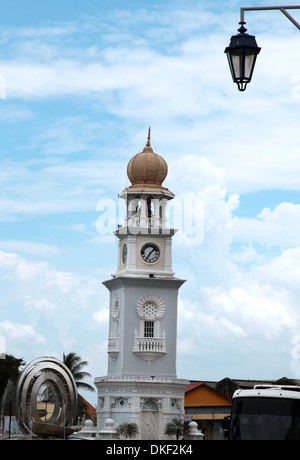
x=149, y=135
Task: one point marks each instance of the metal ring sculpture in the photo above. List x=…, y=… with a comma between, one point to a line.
x=51, y=377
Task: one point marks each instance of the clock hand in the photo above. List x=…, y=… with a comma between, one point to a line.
x=149, y=254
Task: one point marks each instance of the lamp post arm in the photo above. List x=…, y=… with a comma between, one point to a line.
x=267, y=8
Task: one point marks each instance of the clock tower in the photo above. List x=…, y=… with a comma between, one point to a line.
x=141, y=384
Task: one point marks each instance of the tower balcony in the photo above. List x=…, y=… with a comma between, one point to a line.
x=147, y=222
x=149, y=348
x=113, y=347
x=138, y=221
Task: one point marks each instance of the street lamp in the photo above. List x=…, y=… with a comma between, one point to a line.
x=243, y=50
x=241, y=54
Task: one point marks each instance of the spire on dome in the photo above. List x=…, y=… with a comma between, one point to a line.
x=149, y=136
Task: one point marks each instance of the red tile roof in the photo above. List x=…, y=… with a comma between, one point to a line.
x=90, y=409
x=193, y=385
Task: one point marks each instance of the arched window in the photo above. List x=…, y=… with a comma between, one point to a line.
x=150, y=405
x=150, y=309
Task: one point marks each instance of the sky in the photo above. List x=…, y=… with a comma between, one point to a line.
x=80, y=83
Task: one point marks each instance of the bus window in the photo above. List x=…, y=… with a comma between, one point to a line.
x=259, y=418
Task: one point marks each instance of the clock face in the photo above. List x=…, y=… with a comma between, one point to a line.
x=124, y=253
x=150, y=253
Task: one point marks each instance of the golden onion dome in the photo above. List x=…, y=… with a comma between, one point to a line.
x=147, y=167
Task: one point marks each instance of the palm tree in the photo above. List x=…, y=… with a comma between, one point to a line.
x=75, y=364
x=175, y=428
x=128, y=429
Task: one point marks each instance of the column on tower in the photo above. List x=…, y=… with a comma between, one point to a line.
x=145, y=210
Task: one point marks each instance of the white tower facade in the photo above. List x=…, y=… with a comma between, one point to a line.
x=141, y=385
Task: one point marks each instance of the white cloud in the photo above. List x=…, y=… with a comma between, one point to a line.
x=279, y=227
x=8, y=260
x=244, y=300
x=252, y=312
x=65, y=282
x=282, y=270
x=182, y=93
x=27, y=271
x=29, y=247
x=257, y=310
x=39, y=304
x=196, y=173
x=101, y=316
x=170, y=72
x=32, y=189
x=49, y=301
x=14, y=113
x=20, y=333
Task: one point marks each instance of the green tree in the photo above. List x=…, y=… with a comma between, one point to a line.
x=75, y=364
x=128, y=429
x=175, y=428
x=9, y=374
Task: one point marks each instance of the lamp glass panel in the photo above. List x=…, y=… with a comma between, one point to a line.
x=237, y=63
x=249, y=63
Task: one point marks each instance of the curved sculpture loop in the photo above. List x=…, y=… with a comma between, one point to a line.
x=46, y=398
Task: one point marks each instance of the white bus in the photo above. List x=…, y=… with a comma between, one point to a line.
x=267, y=412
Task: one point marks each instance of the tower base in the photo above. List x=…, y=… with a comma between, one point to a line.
x=150, y=402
